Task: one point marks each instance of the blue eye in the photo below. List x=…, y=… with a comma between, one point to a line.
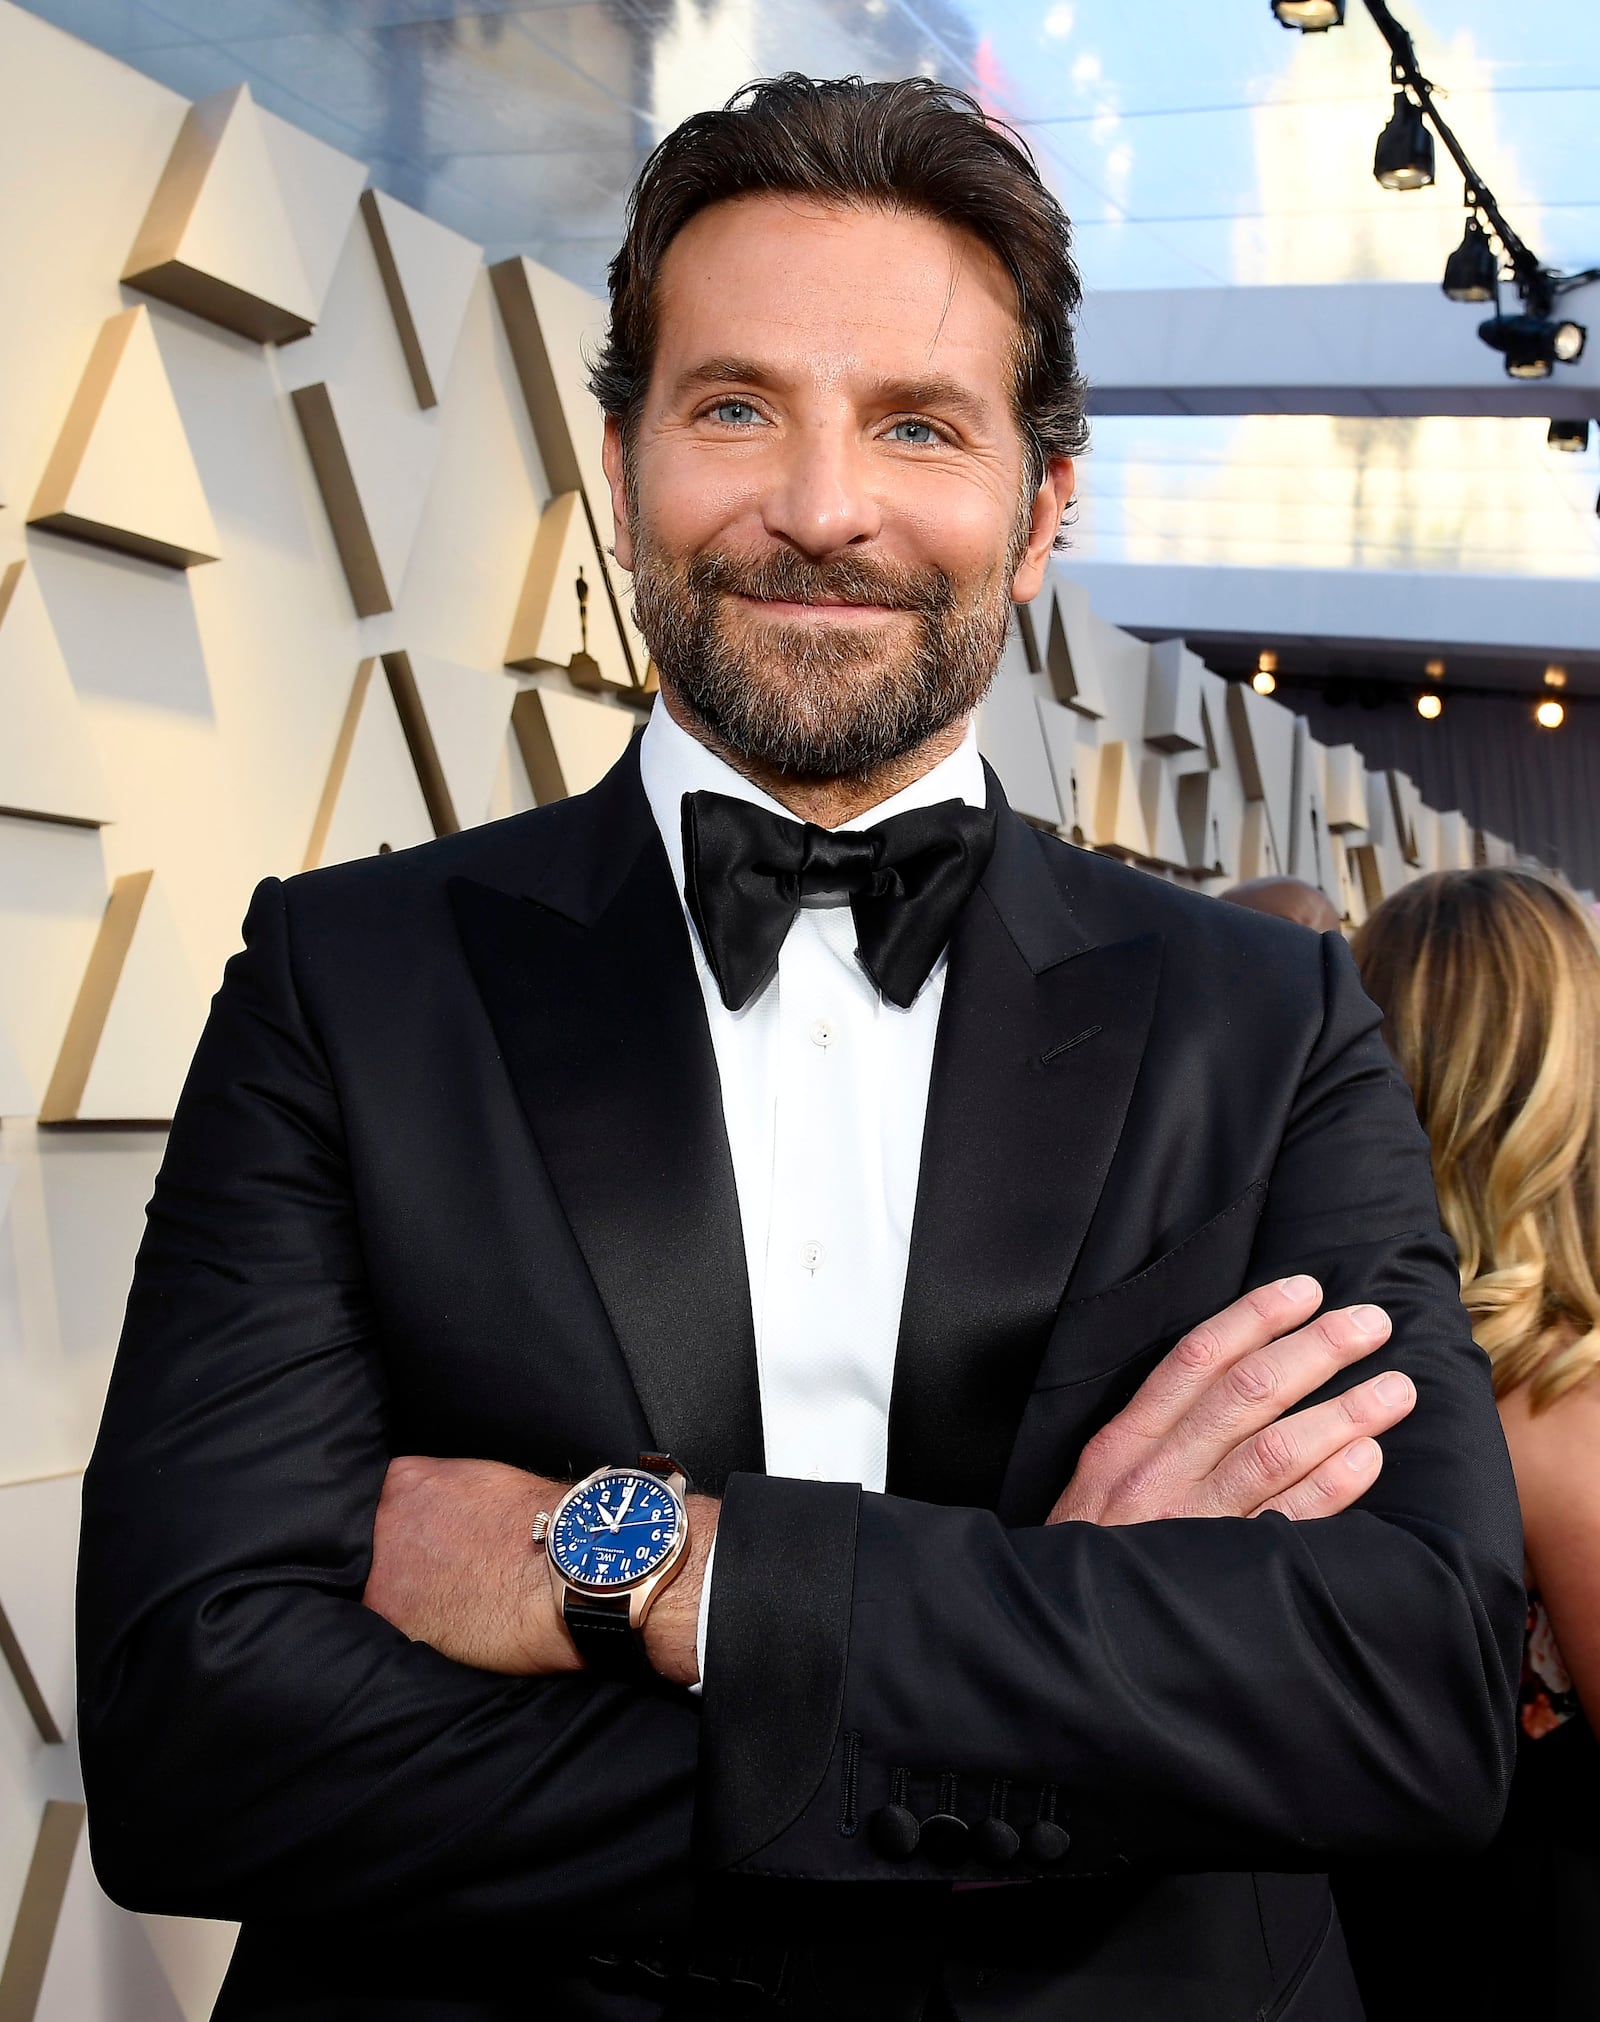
x=735, y=413
x=924, y=438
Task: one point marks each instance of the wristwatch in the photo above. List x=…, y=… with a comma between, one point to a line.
x=614, y=1541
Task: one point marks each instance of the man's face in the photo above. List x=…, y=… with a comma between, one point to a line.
x=825, y=508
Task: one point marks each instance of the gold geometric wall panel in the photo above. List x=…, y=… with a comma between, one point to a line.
x=1310, y=857
x=137, y=1017
x=38, y=1551
x=1173, y=698
x=1010, y=734
x=1258, y=852
x=455, y=720
x=567, y=742
x=1158, y=804
x=428, y=275
x=1406, y=802
x=1352, y=902
x=28, y=1956
x=552, y=626
x=1074, y=767
x=216, y=239
x=373, y=470
x=551, y=326
x=48, y=767
x=1347, y=788
x=1263, y=742
x=1210, y=811
x=122, y=473
x=1379, y=858
x=1069, y=655
x=76, y=1958
x=320, y=188
x=371, y=801
x=1455, y=848
x=1119, y=815
x=16, y=1096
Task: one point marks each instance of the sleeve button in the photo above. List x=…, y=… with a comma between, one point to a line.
x=894, y=1832
x=994, y=1842
x=944, y=1839
x=1045, y=1842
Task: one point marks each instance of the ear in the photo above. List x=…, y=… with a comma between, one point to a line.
x=612, y=459
x=1055, y=494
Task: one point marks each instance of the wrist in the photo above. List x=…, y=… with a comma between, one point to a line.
x=670, y=1627
x=549, y=1644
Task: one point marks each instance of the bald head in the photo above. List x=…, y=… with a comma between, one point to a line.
x=1288, y=898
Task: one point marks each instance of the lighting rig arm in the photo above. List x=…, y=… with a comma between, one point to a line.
x=1532, y=343
x=1405, y=69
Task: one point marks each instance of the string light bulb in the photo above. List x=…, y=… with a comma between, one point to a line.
x=1550, y=715
x=1430, y=706
x=1555, y=677
x=1434, y=670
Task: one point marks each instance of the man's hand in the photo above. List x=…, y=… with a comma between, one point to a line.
x=1205, y=1435
x=454, y=1565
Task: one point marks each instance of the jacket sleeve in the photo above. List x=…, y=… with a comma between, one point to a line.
x=1216, y=1694
x=255, y=1742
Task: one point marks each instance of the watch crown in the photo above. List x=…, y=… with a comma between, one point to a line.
x=541, y=1527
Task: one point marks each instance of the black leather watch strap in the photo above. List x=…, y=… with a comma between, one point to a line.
x=599, y=1629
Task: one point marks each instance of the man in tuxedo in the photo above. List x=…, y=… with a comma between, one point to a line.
x=946, y=1263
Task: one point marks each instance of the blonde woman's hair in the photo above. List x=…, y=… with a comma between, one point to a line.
x=1489, y=982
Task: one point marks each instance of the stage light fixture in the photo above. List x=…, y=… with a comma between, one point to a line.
x=1491, y=253
x=1403, y=158
x=1311, y=17
x=1572, y=436
x=1533, y=345
x=1472, y=272
x=1429, y=705
x=1555, y=677
x=1550, y=716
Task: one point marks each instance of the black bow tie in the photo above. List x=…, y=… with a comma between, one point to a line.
x=747, y=872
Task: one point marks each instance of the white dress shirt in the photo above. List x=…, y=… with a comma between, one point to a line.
x=824, y=1094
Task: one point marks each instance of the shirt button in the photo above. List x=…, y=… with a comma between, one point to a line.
x=822, y=1033
x=811, y=1255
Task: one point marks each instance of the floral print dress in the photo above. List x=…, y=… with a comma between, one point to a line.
x=1546, y=1700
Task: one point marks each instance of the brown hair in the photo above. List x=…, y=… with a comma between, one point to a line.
x=1489, y=982
x=913, y=146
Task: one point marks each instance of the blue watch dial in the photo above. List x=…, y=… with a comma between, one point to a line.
x=615, y=1531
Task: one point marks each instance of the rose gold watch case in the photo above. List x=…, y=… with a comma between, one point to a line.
x=642, y=1592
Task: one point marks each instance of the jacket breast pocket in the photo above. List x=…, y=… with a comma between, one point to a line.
x=1104, y=1346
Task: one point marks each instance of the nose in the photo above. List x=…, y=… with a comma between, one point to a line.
x=821, y=498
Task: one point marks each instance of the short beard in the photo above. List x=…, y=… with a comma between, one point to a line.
x=819, y=703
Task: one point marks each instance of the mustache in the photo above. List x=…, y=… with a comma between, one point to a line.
x=785, y=577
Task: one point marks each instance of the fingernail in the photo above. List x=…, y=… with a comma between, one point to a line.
x=1362, y=1457
x=1393, y=1388
x=1298, y=1288
x=1369, y=1319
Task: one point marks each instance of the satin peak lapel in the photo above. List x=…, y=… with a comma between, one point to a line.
x=1040, y=1041
x=590, y=986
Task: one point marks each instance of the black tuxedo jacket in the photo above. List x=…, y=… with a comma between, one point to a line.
x=450, y=1176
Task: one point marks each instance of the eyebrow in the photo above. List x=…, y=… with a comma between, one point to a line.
x=936, y=390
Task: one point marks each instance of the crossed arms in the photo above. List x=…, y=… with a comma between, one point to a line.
x=1209, y=1434
x=257, y=1743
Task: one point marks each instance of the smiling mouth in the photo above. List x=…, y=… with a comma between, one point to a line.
x=820, y=612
